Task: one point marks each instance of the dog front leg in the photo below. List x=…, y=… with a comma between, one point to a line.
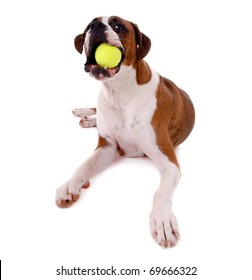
x=102, y=157
x=163, y=223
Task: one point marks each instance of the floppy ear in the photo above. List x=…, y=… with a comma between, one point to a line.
x=78, y=43
x=143, y=43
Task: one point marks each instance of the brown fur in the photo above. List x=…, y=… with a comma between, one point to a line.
x=173, y=119
x=102, y=142
x=136, y=45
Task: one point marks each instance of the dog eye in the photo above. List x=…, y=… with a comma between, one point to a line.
x=118, y=28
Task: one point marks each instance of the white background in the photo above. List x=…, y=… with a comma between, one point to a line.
x=205, y=48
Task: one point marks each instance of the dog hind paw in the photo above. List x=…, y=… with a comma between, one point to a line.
x=87, y=122
x=84, y=114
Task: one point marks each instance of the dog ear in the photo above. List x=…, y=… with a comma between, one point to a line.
x=78, y=43
x=143, y=43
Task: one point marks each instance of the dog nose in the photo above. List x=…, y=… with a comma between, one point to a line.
x=98, y=25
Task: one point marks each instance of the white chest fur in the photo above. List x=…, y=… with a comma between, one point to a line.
x=125, y=110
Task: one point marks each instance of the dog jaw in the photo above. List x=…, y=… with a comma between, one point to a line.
x=100, y=73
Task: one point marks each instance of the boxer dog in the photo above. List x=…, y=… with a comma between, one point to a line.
x=139, y=113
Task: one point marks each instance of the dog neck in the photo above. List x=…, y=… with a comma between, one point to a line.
x=119, y=89
x=125, y=85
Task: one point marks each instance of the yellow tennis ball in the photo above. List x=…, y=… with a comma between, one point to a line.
x=107, y=56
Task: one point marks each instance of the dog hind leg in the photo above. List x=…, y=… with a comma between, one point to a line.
x=85, y=115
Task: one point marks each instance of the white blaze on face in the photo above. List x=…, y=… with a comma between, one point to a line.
x=111, y=35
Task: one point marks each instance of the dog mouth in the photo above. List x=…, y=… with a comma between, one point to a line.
x=98, y=72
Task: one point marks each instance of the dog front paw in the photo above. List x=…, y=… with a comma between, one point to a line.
x=68, y=193
x=164, y=227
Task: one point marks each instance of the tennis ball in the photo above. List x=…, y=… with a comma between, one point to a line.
x=107, y=56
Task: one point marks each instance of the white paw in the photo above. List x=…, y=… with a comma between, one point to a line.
x=69, y=192
x=87, y=122
x=84, y=112
x=164, y=227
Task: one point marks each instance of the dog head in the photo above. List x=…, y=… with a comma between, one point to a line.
x=133, y=44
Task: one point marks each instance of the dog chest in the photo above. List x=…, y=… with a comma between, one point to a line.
x=130, y=127
x=125, y=112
